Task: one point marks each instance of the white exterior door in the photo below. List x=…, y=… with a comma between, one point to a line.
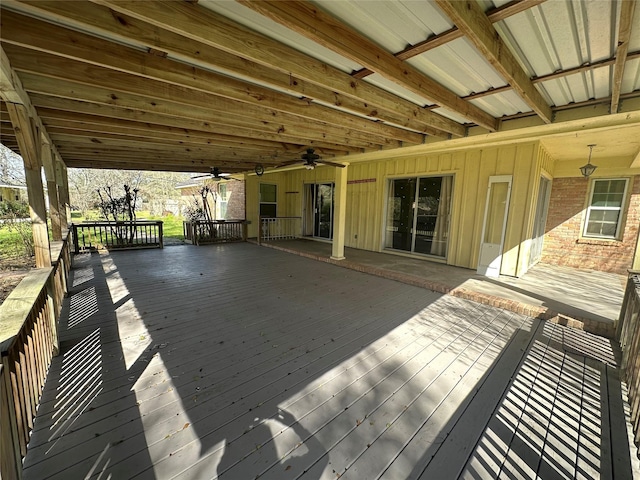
x=495, y=222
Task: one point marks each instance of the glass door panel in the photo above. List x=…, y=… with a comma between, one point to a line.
x=418, y=211
x=427, y=214
x=402, y=193
x=324, y=211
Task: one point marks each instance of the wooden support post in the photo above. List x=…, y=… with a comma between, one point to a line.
x=62, y=180
x=28, y=139
x=52, y=191
x=340, y=212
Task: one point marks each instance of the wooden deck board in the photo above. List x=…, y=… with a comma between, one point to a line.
x=246, y=362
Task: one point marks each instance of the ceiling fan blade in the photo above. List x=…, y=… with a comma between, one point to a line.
x=333, y=164
x=201, y=176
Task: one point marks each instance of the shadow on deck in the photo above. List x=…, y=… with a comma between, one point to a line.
x=585, y=299
x=241, y=362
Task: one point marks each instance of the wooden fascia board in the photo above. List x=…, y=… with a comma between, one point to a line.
x=627, y=10
x=635, y=162
x=306, y=19
x=509, y=137
x=206, y=27
x=471, y=20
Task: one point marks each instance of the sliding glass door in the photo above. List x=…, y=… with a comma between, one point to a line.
x=418, y=211
x=318, y=210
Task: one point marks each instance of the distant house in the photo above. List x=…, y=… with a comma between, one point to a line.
x=12, y=192
x=228, y=201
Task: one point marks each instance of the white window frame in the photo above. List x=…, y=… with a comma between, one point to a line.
x=620, y=209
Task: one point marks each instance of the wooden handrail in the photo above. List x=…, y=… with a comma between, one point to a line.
x=121, y=235
x=202, y=232
x=628, y=335
x=28, y=342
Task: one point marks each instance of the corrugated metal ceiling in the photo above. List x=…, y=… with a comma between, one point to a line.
x=547, y=38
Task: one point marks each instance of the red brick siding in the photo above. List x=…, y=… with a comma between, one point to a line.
x=235, y=194
x=236, y=203
x=563, y=244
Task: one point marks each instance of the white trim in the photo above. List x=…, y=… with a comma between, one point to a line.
x=493, y=270
x=620, y=209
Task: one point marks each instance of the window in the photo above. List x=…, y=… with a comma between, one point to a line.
x=268, y=200
x=604, y=213
x=223, y=200
x=418, y=211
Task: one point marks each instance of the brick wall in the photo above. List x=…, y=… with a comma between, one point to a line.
x=236, y=202
x=562, y=242
x=235, y=195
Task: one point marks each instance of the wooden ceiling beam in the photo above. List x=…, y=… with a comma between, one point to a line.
x=494, y=15
x=472, y=21
x=66, y=106
x=156, y=92
x=66, y=134
x=306, y=19
x=51, y=42
x=201, y=162
x=302, y=130
x=627, y=10
x=190, y=35
x=87, y=126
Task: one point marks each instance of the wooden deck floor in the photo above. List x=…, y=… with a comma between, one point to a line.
x=240, y=362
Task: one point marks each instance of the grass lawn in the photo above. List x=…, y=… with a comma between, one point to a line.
x=10, y=243
x=171, y=227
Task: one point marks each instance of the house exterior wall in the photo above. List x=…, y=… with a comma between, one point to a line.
x=471, y=168
x=13, y=194
x=564, y=244
x=235, y=199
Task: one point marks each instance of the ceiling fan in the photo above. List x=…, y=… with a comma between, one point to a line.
x=216, y=175
x=310, y=159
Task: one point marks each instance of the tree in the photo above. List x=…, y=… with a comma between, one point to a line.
x=155, y=187
x=11, y=167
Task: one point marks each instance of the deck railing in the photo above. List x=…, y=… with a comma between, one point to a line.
x=628, y=334
x=279, y=228
x=28, y=342
x=202, y=232
x=121, y=235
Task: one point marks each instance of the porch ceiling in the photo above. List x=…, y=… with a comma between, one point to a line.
x=190, y=85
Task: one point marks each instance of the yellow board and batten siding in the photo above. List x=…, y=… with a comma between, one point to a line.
x=471, y=169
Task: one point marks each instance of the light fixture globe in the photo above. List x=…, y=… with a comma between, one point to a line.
x=588, y=169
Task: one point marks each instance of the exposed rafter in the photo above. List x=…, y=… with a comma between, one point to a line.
x=180, y=84
x=320, y=27
x=624, y=34
x=472, y=21
x=192, y=30
x=494, y=15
